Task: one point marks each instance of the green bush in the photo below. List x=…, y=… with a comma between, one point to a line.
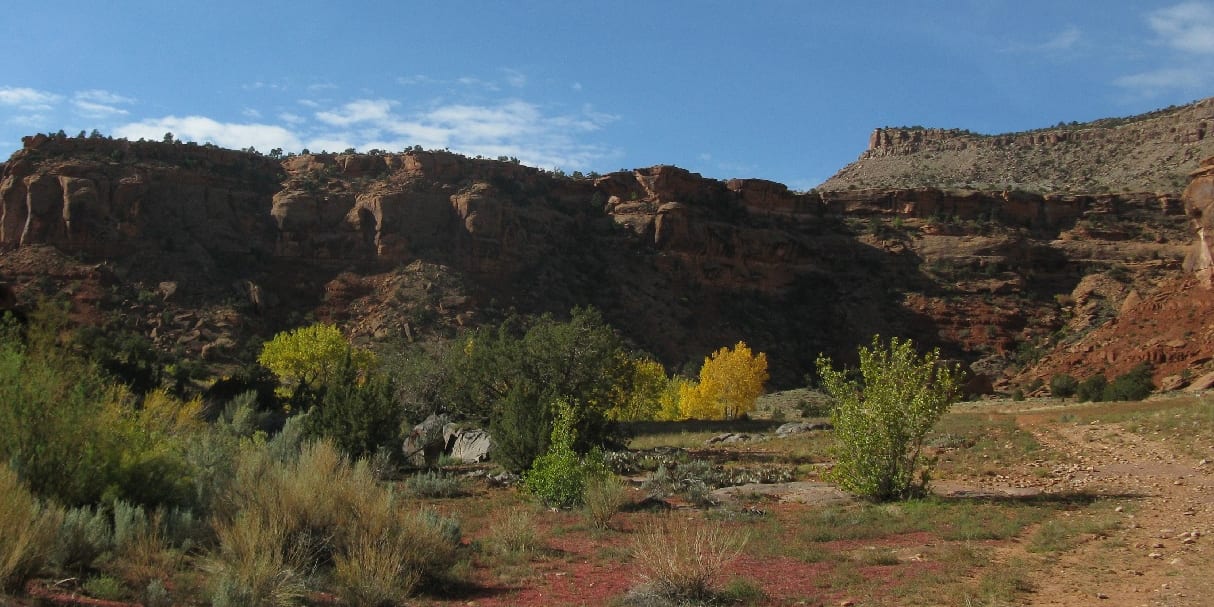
x=1063, y=385
x=559, y=477
x=880, y=424
x=1091, y=389
x=1133, y=385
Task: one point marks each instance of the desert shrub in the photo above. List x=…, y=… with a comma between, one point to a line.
x=27, y=531
x=105, y=587
x=692, y=480
x=559, y=477
x=1063, y=385
x=513, y=534
x=433, y=483
x=881, y=422
x=382, y=564
x=1135, y=384
x=286, y=520
x=85, y=533
x=604, y=497
x=680, y=559
x=1092, y=388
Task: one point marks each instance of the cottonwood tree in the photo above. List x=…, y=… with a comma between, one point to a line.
x=882, y=417
x=731, y=381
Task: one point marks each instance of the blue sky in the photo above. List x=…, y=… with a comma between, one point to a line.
x=781, y=90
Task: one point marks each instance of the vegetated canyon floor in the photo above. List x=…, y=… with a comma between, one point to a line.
x=1041, y=502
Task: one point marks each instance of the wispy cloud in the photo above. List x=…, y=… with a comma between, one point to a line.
x=515, y=78
x=1165, y=78
x=1188, y=30
x=97, y=103
x=27, y=99
x=200, y=128
x=1187, y=27
x=362, y=110
x=527, y=131
x=1066, y=40
x=508, y=128
x=1062, y=41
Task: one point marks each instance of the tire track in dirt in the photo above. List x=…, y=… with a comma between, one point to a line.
x=1159, y=552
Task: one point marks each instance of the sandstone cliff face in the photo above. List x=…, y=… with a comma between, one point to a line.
x=1153, y=153
x=202, y=248
x=1199, y=206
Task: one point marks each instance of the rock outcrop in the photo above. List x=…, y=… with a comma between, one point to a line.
x=413, y=246
x=1199, y=206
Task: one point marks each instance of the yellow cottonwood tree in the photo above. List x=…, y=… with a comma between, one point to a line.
x=638, y=396
x=307, y=356
x=731, y=380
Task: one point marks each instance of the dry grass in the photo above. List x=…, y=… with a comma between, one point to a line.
x=513, y=534
x=684, y=559
x=291, y=520
x=27, y=531
x=604, y=498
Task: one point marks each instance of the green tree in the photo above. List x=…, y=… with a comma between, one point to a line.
x=1135, y=384
x=639, y=396
x=357, y=413
x=512, y=374
x=1063, y=385
x=881, y=419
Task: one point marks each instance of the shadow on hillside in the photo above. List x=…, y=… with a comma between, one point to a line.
x=1062, y=498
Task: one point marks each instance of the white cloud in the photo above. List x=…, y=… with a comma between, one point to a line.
x=507, y=128
x=534, y=134
x=27, y=99
x=362, y=110
x=264, y=137
x=1187, y=27
x=250, y=113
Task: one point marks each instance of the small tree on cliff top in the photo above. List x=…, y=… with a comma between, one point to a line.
x=881, y=420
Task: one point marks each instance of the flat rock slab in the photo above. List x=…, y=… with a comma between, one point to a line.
x=801, y=492
x=962, y=490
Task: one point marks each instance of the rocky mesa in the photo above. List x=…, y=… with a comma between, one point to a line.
x=205, y=251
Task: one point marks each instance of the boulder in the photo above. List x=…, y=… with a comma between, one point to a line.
x=425, y=443
x=471, y=445
x=792, y=428
x=729, y=438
